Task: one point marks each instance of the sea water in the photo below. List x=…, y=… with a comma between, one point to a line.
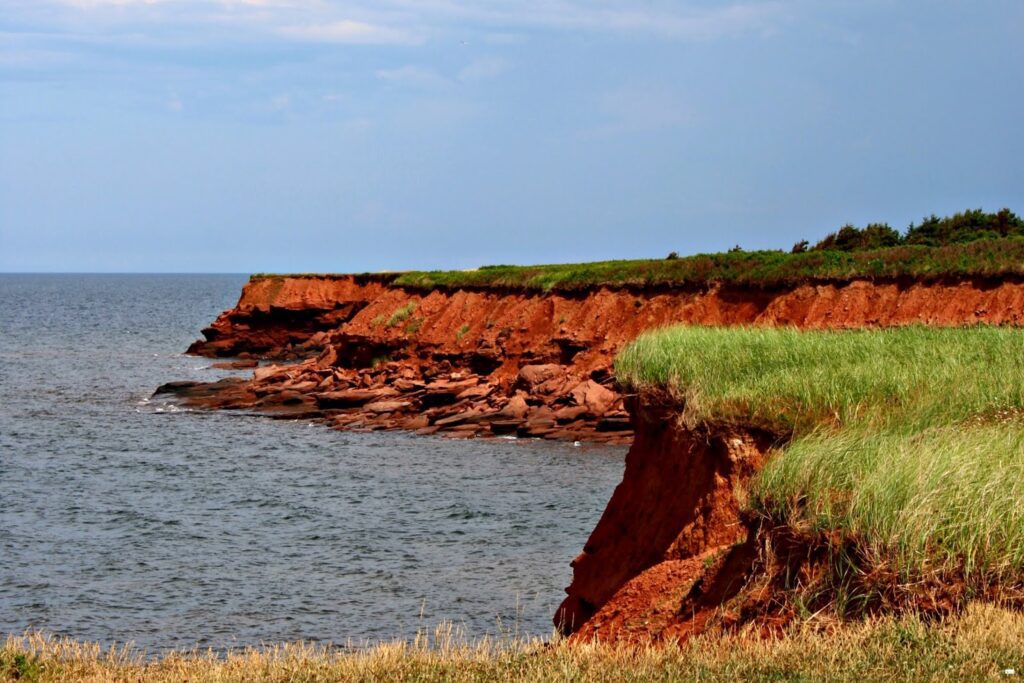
x=125, y=520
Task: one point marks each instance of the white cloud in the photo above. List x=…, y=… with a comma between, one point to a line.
x=413, y=75
x=352, y=32
x=92, y=4
x=483, y=68
x=410, y=21
x=673, y=21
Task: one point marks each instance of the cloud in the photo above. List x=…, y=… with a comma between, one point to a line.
x=483, y=68
x=352, y=32
x=92, y=4
x=683, y=21
x=387, y=22
x=413, y=75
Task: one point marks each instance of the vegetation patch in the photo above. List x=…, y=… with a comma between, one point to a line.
x=968, y=244
x=400, y=315
x=983, y=643
x=763, y=269
x=906, y=441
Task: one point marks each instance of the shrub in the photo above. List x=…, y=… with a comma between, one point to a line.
x=965, y=227
x=851, y=238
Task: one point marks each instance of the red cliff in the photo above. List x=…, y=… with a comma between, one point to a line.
x=672, y=542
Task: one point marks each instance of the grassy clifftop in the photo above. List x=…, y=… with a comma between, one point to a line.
x=907, y=440
x=983, y=258
x=990, y=258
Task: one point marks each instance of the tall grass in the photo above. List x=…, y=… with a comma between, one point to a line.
x=982, y=643
x=908, y=440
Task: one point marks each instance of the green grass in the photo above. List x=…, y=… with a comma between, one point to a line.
x=989, y=258
x=400, y=315
x=907, y=440
x=985, y=258
x=981, y=644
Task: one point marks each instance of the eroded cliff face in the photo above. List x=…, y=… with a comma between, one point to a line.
x=479, y=363
x=673, y=545
x=676, y=513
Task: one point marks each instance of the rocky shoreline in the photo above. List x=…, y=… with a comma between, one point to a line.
x=673, y=545
x=359, y=353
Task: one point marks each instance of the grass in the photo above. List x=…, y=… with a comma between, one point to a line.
x=981, y=644
x=988, y=258
x=983, y=258
x=906, y=440
x=402, y=314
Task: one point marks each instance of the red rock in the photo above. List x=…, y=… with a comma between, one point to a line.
x=459, y=418
x=386, y=406
x=352, y=397
x=532, y=375
x=505, y=426
x=269, y=371
x=236, y=365
x=570, y=413
x=407, y=385
x=515, y=408
x=328, y=358
x=303, y=386
x=476, y=392
x=418, y=422
x=595, y=397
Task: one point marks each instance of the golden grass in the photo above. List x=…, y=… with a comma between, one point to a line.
x=981, y=644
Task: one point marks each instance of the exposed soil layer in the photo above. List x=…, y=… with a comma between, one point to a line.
x=481, y=363
x=677, y=552
x=675, y=515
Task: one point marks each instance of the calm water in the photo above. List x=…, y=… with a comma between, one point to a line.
x=120, y=521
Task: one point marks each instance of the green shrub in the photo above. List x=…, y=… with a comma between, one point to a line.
x=850, y=238
x=967, y=226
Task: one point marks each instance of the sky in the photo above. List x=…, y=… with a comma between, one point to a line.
x=324, y=135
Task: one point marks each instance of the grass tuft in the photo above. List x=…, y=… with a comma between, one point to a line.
x=402, y=314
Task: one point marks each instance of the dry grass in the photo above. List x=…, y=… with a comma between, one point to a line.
x=978, y=645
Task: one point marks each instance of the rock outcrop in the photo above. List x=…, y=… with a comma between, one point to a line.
x=371, y=355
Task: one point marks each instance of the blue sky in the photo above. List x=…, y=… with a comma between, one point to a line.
x=315, y=135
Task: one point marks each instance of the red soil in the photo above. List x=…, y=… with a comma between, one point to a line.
x=477, y=363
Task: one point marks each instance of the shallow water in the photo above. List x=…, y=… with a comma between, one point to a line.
x=121, y=520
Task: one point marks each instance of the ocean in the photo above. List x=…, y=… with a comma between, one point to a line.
x=123, y=520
